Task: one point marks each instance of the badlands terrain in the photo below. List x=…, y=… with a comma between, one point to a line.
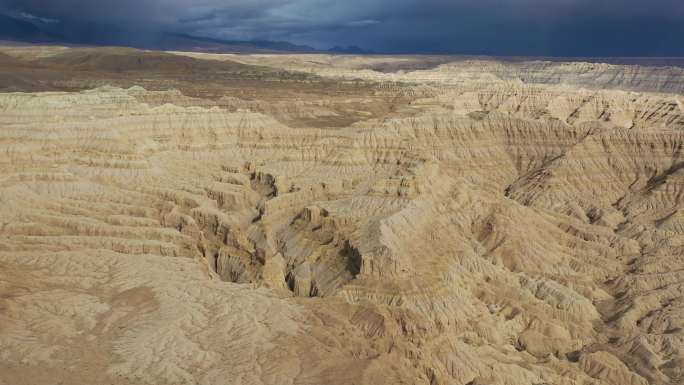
x=177, y=218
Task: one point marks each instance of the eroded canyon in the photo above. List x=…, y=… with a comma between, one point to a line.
x=177, y=218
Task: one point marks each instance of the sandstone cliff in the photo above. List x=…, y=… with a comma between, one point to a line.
x=504, y=224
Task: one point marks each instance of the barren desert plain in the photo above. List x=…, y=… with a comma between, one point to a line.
x=174, y=218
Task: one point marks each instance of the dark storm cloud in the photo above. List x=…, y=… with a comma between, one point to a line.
x=508, y=27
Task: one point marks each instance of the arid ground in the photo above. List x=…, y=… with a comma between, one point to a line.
x=187, y=218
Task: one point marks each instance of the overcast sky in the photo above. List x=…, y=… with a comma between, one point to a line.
x=499, y=27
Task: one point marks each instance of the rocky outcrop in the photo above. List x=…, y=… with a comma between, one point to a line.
x=505, y=227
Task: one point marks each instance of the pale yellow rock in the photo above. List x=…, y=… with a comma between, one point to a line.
x=461, y=222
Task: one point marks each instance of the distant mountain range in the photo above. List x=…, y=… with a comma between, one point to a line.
x=22, y=30
x=352, y=50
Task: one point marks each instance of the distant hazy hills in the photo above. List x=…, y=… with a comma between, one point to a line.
x=174, y=41
x=17, y=29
